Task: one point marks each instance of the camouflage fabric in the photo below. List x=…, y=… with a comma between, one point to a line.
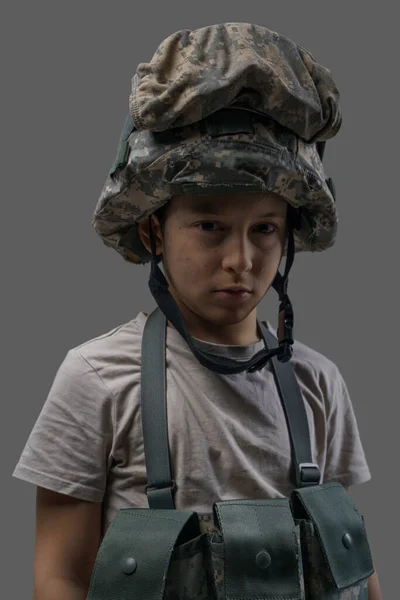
x=231, y=107
x=196, y=73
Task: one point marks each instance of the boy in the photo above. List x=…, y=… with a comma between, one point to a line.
x=219, y=175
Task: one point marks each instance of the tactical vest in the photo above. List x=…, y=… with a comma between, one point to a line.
x=310, y=546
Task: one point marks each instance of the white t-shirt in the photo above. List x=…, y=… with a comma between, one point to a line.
x=228, y=434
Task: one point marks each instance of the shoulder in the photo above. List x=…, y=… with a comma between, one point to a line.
x=318, y=371
x=307, y=360
x=319, y=376
x=116, y=341
x=319, y=364
x=110, y=357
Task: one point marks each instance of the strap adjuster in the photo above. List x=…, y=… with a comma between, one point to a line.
x=162, y=486
x=312, y=477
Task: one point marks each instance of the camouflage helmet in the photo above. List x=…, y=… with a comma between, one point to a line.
x=232, y=107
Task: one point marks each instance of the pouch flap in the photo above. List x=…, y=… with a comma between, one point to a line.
x=261, y=549
x=134, y=556
x=340, y=529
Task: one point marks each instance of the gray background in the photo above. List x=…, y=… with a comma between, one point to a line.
x=67, y=69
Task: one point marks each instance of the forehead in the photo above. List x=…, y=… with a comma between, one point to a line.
x=229, y=203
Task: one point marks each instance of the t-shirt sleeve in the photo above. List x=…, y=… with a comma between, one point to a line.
x=346, y=462
x=68, y=449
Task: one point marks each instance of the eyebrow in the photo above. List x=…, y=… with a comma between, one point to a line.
x=212, y=208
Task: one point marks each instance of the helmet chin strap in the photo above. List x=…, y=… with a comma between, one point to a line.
x=159, y=289
x=286, y=314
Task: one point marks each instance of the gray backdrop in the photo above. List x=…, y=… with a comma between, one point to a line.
x=67, y=68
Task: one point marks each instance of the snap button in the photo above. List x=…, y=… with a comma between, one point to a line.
x=347, y=541
x=263, y=560
x=129, y=565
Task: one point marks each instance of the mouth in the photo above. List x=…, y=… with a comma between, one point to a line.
x=233, y=294
x=235, y=289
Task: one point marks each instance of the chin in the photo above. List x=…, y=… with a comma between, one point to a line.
x=225, y=316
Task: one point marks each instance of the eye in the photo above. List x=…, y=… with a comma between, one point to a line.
x=207, y=226
x=214, y=227
x=267, y=226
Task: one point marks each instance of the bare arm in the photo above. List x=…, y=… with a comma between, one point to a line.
x=67, y=541
x=62, y=589
x=374, y=589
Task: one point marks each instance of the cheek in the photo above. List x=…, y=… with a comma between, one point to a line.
x=184, y=262
x=269, y=260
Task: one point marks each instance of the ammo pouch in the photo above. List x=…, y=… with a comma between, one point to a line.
x=311, y=546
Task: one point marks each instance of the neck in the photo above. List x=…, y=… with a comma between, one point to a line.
x=225, y=338
x=227, y=334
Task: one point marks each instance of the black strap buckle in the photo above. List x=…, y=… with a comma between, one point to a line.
x=312, y=477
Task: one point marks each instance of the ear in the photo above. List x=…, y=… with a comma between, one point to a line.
x=143, y=230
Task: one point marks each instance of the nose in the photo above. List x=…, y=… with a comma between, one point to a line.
x=237, y=255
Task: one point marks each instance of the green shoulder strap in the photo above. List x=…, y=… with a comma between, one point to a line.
x=161, y=485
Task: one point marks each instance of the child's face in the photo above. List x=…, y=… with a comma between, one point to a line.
x=211, y=243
